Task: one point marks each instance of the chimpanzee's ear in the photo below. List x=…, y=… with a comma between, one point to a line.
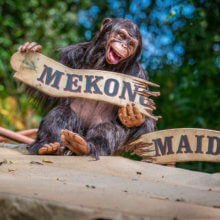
x=104, y=22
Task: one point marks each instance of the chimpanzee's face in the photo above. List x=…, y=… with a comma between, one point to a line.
x=120, y=46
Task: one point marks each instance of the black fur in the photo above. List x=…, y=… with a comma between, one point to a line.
x=104, y=138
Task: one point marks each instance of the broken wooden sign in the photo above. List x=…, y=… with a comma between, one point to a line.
x=55, y=79
x=174, y=145
x=177, y=145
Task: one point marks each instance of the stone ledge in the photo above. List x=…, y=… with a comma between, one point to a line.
x=20, y=207
x=115, y=187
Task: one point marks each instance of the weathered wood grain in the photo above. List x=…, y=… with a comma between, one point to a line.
x=178, y=145
x=55, y=79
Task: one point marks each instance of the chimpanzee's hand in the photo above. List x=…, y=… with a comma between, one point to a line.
x=130, y=116
x=30, y=47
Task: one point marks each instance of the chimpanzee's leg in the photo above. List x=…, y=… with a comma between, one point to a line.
x=103, y=139
x=48, y=136
x=106, y=138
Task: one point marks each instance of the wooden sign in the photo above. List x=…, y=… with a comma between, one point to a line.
x=178, y=145
x=55, y=79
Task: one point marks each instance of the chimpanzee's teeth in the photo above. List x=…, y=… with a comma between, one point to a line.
x=114, y=54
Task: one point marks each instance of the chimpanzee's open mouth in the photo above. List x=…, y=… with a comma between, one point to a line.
x=113, y=57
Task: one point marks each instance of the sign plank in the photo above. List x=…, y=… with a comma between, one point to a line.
x=178, y=145
x=55, y=79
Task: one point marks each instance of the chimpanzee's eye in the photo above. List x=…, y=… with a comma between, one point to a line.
x=132, y=44
x=121, y=35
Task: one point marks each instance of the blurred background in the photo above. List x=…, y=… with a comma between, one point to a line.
x=181, y=52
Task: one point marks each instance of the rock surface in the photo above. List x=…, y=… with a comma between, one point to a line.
x=62, y=187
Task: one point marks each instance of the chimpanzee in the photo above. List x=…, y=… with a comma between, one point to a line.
x=87, y=127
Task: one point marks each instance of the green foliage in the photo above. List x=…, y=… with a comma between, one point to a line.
x=190, y=96
x=53, y=24
x=200, y=166
x=189, y=92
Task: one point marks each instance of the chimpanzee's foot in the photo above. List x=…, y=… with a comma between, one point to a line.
x=52, y=148
x=74, y=142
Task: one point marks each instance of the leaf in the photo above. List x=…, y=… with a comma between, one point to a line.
x=11, y=104
x=45, y=160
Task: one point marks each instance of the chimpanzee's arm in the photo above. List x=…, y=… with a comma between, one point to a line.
x=149, y=124
x=40, y=99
